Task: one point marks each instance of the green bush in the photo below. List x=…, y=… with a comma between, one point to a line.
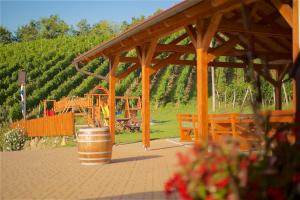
x=3, y=130
x=14, y=140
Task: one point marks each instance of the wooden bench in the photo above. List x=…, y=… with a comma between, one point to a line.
x=239, y=126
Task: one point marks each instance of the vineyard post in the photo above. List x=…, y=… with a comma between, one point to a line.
x=22, y=83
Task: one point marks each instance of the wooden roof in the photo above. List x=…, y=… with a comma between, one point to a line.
x=270, y=34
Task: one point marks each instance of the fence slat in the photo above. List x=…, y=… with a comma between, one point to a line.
x=58, y=125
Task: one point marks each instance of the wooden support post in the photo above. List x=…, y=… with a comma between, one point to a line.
x=202, y=95
x=113, y=61
x=277, y=87
x=201, y=39
x=145, y=54
x=45, y=108
x=296, y=51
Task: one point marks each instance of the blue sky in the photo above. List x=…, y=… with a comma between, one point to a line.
x=15, y=13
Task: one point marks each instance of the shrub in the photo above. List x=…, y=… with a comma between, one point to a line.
x=3, y=130
x=14, y=140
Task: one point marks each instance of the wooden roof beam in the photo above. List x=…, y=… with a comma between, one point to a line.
x=232, y=27
x=192, y=34
x=225, y=47
x=175, y=48
x=179, y=39
x=165, y=62
x=238, y=65
x=134, y=67
x=285, y=10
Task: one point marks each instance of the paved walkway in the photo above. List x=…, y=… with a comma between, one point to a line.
x=56, y=174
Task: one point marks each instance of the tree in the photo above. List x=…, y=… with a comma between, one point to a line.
x=134, y=20
x=53, y=27
x=103, y=28
x=83, y=27
x=29, y=31
x=5, y=35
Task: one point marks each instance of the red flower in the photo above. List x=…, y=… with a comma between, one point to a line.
x=201, y=169
x=281, y=136
x=171, y=184
x=183, y=159
x=253, y=157
x=296, y=178
x=223, y=183
x=178, y=183
x=274, y=193
x=244, y=164
x=209, y=197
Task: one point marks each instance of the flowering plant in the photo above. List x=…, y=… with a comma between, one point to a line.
x=214, y=171
x=14, y=140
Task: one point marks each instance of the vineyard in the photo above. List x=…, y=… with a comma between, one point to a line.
x=51, y=75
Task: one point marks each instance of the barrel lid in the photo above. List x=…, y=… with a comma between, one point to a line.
x=94, y=129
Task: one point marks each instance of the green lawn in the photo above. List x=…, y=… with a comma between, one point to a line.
x=164, y=123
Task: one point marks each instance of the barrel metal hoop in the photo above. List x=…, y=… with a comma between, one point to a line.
x=92, y=141
x=94, y=129
x=93, y=153
x=90, y=159
x=93, y=135
x=92, y=163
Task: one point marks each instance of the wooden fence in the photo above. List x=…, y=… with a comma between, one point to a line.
x=58, y=125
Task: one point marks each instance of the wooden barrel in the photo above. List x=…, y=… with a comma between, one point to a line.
x=94, y=146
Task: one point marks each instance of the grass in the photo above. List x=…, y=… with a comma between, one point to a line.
x=164, y=123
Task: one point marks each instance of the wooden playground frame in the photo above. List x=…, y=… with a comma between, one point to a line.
x=95, y=109
x=273, y=34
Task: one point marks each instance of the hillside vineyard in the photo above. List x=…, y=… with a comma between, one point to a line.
x=52, y=76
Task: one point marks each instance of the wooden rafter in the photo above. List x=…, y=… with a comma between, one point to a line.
x=192, y=34
x=285, y=10
x=179, y=39
x=134, y=67
x=165, y=62
x=211, y=30
x=259, y=30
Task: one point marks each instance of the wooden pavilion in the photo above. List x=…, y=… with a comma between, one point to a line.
x=273, y=33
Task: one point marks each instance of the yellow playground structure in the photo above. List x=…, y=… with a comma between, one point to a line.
x=94, y=108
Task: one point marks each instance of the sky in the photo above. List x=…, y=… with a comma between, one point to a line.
x=15, y=13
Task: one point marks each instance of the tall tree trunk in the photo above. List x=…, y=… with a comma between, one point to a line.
x=213, y=89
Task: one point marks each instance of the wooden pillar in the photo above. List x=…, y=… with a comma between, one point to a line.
x=145, y=54
x=278, y=93
x=202, y=95
x=145, y=105
x=201, y=38
x=296, y=51
x=113, y=61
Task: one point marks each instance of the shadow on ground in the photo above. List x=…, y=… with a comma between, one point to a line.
x=159, y=195
x=156, y=149
x=135, y=158
x=160, y=121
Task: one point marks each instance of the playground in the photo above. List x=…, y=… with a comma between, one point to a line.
x=56, y=173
